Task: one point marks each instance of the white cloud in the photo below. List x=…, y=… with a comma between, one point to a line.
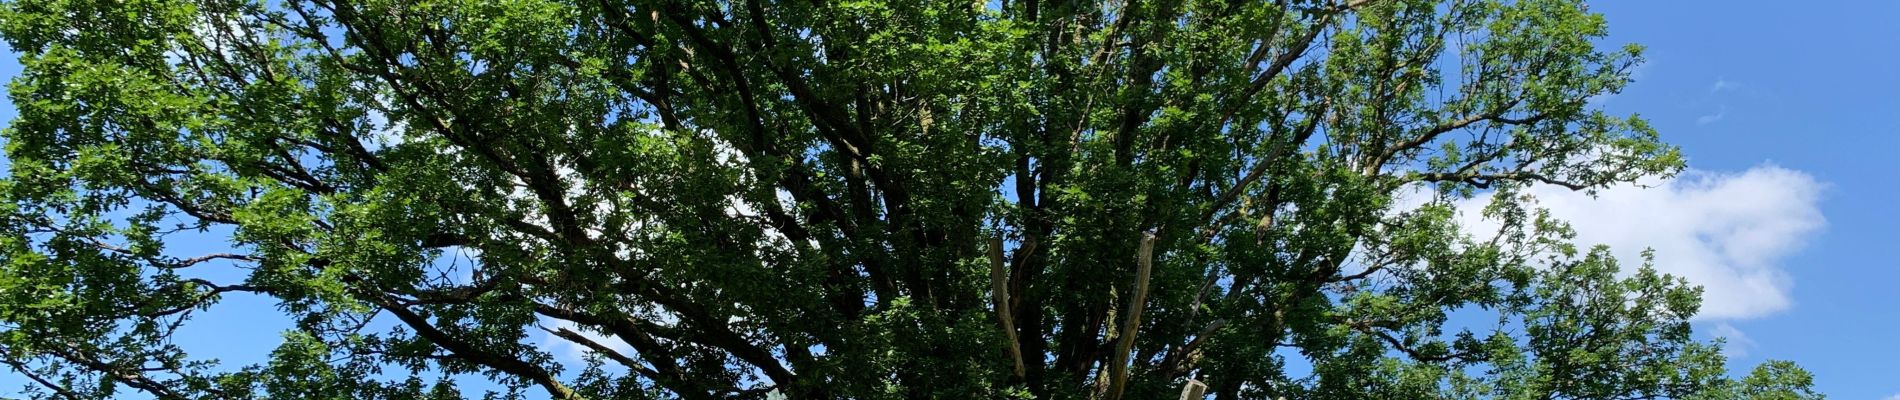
x=1712, y=118
x=1722, y=84
x=1715, y=95
x=1737, y=343
x=1896, y=396
x=1727, y=232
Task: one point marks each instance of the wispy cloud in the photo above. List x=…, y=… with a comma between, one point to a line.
x=1723, y=84
x=1737, y=344
x=1715, y=94
x=1713, y=118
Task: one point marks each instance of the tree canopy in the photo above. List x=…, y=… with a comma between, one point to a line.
x=834, y=199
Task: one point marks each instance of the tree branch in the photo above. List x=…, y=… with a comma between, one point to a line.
x=1484, y=181
x=999, y=297
x=467, y=351
x=1118, y=368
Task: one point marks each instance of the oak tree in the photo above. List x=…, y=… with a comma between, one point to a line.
x=856, y=199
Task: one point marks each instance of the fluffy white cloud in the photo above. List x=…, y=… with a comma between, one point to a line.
x=1727, y=232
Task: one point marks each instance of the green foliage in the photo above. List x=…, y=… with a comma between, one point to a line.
x=857, y=199
x=1774, y=380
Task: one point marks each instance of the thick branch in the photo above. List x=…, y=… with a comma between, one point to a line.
x=602, y=349
x=21, y=368
x=467, y=351
x=1119, y=367
x=999, y=297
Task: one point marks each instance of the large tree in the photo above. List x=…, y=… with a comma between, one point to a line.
x=833, y=199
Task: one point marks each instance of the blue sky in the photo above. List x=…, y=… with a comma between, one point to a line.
x=1786, y=113
x=1810, y=87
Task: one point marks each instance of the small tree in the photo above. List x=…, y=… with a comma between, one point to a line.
x=857, y=199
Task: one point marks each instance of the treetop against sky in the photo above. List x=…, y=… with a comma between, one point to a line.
x=868, y=199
